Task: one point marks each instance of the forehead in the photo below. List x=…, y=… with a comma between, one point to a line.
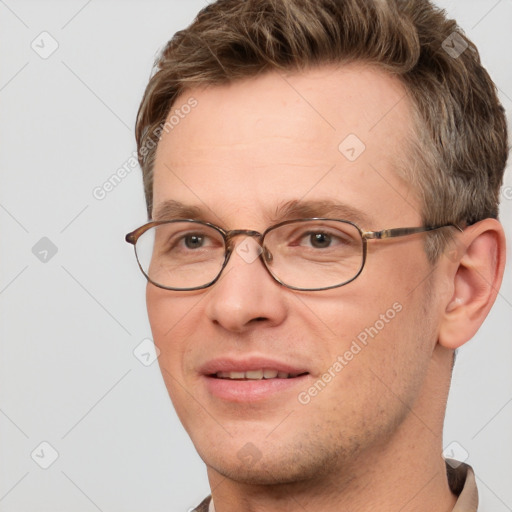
x=333, y=133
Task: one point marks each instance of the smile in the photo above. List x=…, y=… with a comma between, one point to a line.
x=256, y=375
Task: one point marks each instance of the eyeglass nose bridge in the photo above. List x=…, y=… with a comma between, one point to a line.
x=266, y=255
x=229, y=235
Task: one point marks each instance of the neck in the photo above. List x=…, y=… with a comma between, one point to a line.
x=388, y=480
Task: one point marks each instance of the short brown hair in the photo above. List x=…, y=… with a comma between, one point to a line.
x=460, y=148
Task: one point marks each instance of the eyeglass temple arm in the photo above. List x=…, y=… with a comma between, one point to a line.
x=391, y=233
x=132, y=237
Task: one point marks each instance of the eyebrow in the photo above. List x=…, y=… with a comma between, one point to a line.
x=171, y=209
x=294, y=209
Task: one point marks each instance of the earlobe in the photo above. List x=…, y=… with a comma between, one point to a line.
x=476, y=281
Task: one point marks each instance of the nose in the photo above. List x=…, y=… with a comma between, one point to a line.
x=246, y=294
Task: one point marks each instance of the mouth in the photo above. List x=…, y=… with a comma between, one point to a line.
x=252, y=379
x=262, y=374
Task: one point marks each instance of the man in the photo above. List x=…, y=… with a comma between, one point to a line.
x=306, y=339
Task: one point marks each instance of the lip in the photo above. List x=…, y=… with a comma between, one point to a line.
x=247, y=364
x=250, y=390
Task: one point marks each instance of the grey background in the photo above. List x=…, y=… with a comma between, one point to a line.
x=71, y=322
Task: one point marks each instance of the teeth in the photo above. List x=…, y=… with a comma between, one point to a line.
x=254, y=375
x=236, y=375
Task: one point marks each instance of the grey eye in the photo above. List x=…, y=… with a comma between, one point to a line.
x=320, y=240
x=194, y=241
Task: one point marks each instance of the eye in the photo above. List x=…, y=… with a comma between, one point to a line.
x=320, y=240
x=193, y=241
x=180, y=240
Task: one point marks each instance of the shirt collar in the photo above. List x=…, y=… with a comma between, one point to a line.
x=461, y=479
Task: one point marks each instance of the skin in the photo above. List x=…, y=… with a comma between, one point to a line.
x=372, y=438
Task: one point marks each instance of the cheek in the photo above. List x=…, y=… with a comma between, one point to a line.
x=172, y=324
x=173, y=320
x=376, y=365
x=378, y=331
x=160, y=318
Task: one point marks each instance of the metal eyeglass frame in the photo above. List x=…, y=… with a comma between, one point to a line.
x=266, y=256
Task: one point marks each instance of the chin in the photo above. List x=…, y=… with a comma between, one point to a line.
x=273, y=464
x=263, y=473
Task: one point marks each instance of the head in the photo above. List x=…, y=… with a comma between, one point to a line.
x=251, y=112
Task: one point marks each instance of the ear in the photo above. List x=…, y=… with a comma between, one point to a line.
x=477, y=265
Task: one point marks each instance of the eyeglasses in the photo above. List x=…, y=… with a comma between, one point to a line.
x=303, y=254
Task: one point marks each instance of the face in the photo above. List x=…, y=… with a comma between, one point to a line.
x=244, y=153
